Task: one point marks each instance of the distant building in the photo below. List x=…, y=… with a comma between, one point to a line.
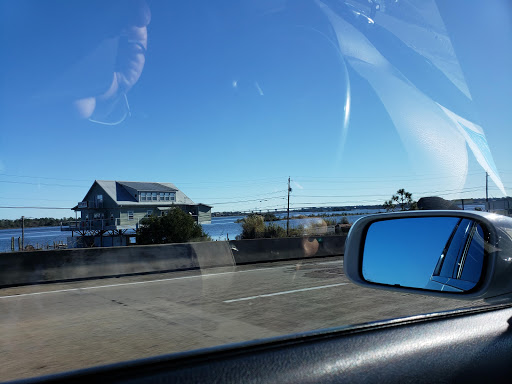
x=117, y=206
x=502, y=206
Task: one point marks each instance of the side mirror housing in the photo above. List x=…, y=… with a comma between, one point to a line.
x=453, y=254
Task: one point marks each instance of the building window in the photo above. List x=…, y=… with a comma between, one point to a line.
x=166, y=196
x=143, y=196
x=173, y=196
x=154, y=196
x=130, y=215
x=149, y=213
x=161, y=196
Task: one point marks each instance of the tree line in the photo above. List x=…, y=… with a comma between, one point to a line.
x=30, y=223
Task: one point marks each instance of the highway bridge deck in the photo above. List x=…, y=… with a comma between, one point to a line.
x=50, y=328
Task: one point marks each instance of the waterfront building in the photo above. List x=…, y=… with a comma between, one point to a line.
x=114, y=208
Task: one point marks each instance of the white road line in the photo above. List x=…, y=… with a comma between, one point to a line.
x=131, y=283
x=340, y=262
x=283, y=292
x=143, y=282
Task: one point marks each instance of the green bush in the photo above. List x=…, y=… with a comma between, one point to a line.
x=253, y=227
x=270, y=217
x=330, y=221
x=175, y=227
x=274, y=231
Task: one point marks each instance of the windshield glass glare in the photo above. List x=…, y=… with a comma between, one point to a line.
x=182, y=175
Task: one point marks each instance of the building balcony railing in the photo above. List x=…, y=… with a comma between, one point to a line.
x=134, y=223
x=99, y=224
x=89, y=204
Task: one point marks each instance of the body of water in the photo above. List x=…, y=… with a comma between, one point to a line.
x=33, y=236
x=220, y=229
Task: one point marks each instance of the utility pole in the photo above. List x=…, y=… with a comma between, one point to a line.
x=486, y=191
x=288, y=210
x=22, y=232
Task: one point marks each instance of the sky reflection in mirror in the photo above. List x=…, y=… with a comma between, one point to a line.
x=405, y=251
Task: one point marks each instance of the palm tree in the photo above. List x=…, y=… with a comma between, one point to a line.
x=401, y=198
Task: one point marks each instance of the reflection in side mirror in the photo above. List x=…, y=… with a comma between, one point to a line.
x=433, y=253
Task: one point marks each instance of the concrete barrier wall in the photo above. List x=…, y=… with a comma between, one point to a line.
x=264, y=250
x=20, y=268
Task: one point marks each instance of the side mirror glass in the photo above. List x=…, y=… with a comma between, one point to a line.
x=432, y=253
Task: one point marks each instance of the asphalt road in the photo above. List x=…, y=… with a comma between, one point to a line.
x=57, y=327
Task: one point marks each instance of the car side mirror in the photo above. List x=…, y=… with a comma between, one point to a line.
x=457, y=254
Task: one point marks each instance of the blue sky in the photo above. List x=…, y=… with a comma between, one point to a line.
x=233, y=100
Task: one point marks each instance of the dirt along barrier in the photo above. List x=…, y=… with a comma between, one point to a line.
x=290, y=248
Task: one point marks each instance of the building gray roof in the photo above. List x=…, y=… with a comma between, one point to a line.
x=117, y=192
x=148, y=187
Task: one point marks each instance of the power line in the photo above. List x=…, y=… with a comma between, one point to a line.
x=359, y=202
x=43, y=177
x=50, y=185
x=244, y=181
x=24, y=198
x=302, y=206
x=223, y=183
x=238, y=197
x=372, y=178
x=342, y=203
x=248, y=201
x=9, y=207
x=252, y=180
x=377, y=198
x=267, y=207
x=383, y=195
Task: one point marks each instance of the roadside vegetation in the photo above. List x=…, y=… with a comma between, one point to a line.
x=255, y=227
x=265, y=216
x=175, y=227
x=329, y=218
x=324, y=216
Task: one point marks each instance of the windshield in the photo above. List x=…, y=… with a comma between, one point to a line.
x=182, y=175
